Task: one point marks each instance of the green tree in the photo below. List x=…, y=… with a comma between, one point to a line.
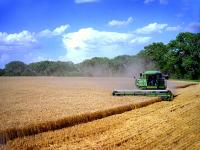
x=51, y=68
x=15, y=68
x=180, y=58
x=185, y=55
x=156, y=52
x=97, y=66
x=2, y=72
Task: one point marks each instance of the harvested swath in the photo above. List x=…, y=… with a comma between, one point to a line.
x=185, y=85
x=164, y=125
x=12, y=133
x=30, y=100
x=58, y=97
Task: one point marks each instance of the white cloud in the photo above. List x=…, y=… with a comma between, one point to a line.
x=17, y=37
x=60, y=30
x=151, y=28
x=16, y=41
x=141, y=40
x=88, y=42
x=120, y=22
x=163, y=1
x=56, y=32
x=148, y=1
x=4, y=57
x=20, y=45
x=157, y=28
x=26, y=40
x=175, y=28
x=193, y=27
x=160, y=1
x=85, y=1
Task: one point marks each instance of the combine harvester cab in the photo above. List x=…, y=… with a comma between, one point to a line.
x=150, y=83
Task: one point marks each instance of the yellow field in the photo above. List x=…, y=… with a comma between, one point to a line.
x=28, y=101
x=33, y=100
x=33, y=105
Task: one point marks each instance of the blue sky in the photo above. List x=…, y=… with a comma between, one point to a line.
x=75, y=30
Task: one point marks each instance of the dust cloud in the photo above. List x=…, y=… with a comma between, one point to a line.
x=129, y=70
x=172, y=87
x=109, y=78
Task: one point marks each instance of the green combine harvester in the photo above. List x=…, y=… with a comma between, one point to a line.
x=150, y=83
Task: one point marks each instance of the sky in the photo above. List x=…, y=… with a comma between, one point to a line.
x=75, y=30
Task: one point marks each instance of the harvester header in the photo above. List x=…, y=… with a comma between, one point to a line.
x=150, y=83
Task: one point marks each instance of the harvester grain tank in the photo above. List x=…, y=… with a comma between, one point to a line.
x=150, y=83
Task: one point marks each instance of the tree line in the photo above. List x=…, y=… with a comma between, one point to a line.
x=180, y=58
x=97, y=66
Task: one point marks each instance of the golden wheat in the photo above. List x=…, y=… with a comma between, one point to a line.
x=12, y=133
x=34, y=105
x=164, y=125
x=32, y=100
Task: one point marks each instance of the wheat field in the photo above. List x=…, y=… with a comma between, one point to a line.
x=32, y=102
x=31, y=105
